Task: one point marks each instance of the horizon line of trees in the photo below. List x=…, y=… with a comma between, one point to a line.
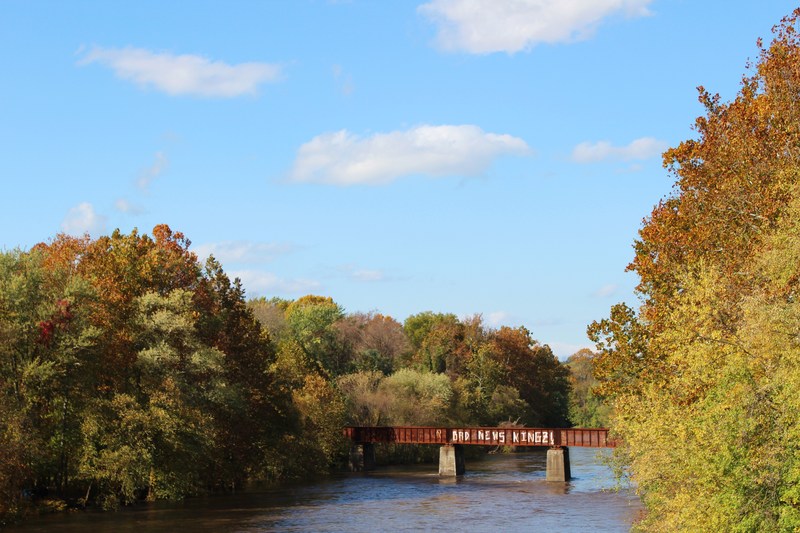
x=128, y=371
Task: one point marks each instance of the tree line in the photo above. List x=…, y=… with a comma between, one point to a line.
x=130, y=371
x=704, y=377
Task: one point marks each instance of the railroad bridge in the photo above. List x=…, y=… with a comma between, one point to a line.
x=453, y=440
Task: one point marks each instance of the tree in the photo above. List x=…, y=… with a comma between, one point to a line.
x=367, y=403
x=418, y=398
x=133, y=370
x=586, y=409
x=536, y=373
x=311, y=320
x=374, y=341
x=47, y=363
x=437, y=340
x=227, y=324
x=476, y=389
x=271, y=314
x=321, y=412
x=121, y=268
x=703, y=378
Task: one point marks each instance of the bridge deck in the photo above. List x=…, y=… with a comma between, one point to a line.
x=594, y=437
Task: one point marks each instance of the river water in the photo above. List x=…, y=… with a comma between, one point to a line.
x=504, y=492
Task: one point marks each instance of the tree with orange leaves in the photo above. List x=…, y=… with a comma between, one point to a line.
x=111, y=346
x=703, y=378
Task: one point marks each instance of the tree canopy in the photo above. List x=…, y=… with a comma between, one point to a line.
x=703, y=378
x=129, y=370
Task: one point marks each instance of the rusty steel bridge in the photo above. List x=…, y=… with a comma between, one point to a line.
x=593, y=438
x=452, y=440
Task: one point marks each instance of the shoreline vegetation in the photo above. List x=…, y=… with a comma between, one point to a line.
x=130, y=371
x=704, y=378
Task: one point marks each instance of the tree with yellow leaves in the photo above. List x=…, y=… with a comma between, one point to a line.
x=704, y=377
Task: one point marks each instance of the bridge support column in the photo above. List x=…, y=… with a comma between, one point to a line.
x=558, y=464
x=451, y=460
x=362, y=457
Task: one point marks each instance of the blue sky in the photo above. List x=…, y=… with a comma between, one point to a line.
x=463, y=156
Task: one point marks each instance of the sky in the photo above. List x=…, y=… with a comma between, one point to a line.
x=492, y=157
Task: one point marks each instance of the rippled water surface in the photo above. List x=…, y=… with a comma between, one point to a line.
x=498, y=493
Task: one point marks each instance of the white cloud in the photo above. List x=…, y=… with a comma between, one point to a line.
x=343, y=158
x=124, y=206
x=499, y=318
x=640, y=149
x=184, y=74
x=486, y=26
x=242, y=252
x=147, y=175
x=83, y=219
x=257, y=282
x=605, y=291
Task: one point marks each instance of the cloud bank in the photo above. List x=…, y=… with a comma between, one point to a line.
x=344, y=158
x=83, y=219
x=497, y=319
x=487, y=26
x=640, y=149
x=185, y=74
x=257, y=282
x=242, y=252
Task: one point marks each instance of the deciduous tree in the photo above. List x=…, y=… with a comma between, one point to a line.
x=704, y=376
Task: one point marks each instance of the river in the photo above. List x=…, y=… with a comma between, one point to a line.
x=497, y=493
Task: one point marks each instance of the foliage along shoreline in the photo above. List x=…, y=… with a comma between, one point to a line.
x=704, y=378
x=129, y=371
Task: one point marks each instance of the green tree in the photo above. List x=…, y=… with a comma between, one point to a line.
x=133, y=369
x=417, y=398
x=367, y=402
x=586, y=409
x=312, y=320
x=47, y=361
x=435, y=339
x=228, y=325
x=161, y=436
x=476, y=389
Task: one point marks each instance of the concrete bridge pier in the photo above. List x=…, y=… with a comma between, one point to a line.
x=558, y=464
x=362, y=457
x=451, y=460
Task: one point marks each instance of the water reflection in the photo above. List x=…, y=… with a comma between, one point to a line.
x=499, y=492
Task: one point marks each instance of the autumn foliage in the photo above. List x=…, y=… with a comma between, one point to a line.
x=703, y=378
x=130, y=371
